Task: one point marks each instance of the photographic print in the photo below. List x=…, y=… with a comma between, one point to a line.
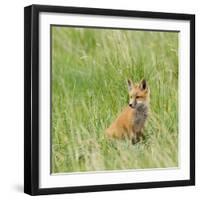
x=114, y=99
x=108, y=99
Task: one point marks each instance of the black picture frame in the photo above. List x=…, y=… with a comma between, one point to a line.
x=31, y=98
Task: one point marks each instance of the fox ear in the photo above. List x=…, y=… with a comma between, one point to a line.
x=130, y=84
x=143, y=84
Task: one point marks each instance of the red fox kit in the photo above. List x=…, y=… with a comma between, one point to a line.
x=130, y=122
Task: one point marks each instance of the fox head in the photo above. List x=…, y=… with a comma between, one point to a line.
x=139, y=93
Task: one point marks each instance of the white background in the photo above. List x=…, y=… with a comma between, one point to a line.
x=11, y=99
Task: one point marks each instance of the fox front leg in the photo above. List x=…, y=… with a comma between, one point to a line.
x=141, y=135
x=134, y=138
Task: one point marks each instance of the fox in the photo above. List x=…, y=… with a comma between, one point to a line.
x=130, y=122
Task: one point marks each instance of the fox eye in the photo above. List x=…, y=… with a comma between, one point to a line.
x=137, y=97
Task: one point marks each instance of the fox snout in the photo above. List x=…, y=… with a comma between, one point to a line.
x=132, y=103
x=135, y=103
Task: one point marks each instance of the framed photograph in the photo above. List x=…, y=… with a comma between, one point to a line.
x=109, y=99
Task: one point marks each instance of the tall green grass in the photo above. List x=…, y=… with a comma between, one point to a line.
x=89, y=72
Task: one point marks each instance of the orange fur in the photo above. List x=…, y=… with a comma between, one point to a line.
x=130, y=122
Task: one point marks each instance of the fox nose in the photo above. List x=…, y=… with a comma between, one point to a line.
x=132, y=104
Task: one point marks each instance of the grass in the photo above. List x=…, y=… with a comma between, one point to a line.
x=89, y=72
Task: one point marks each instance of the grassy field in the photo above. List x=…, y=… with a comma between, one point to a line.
x=89, y=72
